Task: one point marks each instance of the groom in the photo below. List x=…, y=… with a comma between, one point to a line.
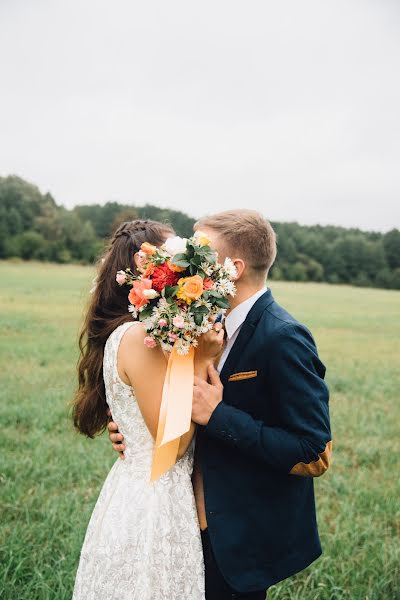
x=264, y=429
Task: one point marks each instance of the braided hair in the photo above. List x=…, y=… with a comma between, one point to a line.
x=108, y=308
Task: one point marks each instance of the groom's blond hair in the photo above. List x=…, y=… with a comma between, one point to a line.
x=244, y=233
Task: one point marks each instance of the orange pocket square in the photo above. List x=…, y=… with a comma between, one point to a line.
x=242, y=375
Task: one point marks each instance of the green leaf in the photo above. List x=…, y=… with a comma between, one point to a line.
x=198, y=319
x=170, y=290
x=202, y=250
x=211, y=258
x=181, y=263
x=199, y=309
x=198, y=313
x=179, y=256
x=222, y=302
x=196, y=260
x=145, y=313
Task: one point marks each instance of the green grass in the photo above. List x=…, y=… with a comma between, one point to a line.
x=50, y=476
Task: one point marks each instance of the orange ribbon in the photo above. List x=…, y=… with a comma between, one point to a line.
x=175, y=411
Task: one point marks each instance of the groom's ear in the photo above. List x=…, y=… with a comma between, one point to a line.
x=240, y=267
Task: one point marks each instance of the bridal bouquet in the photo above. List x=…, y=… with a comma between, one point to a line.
x=178, y=288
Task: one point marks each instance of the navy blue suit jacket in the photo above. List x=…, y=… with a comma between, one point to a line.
x=262, y=447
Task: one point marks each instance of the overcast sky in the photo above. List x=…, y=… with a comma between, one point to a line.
x=292, y=108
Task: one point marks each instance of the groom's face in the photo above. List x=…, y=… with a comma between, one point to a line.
x=216, y=243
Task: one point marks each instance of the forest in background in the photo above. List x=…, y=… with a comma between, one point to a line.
x=34, y=227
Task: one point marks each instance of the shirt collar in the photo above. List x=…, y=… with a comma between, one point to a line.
x=237, y=315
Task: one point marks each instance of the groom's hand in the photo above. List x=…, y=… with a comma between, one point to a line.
x=116, y=437
x=206, y=396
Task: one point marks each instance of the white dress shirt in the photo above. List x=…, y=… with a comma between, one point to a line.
x=233, y=323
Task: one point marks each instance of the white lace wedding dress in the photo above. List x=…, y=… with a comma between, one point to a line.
x=143, y=540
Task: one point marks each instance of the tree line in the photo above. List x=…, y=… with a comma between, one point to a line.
x=34, y=226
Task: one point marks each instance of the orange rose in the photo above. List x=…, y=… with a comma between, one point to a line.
x=175, y=268
x=190, y=288
x=148, y=248
x=136, y=296
x=149, y=270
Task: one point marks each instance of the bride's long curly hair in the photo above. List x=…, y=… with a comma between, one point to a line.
x=108, y=308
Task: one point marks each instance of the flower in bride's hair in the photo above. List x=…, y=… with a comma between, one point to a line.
x=120, y=277
x=136, y=295
x=178, y=321
x=148, y=248
x=149, y=342
x=175, y=245
x=190, y=288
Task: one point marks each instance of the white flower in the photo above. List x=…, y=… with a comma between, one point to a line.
x=230, y=268
x=133, y=311
x=208, y=268
x=183, y=347
x=162, y=304
x=225, y=287
x=202, y=302
x=175, y=245
x=149, y=323
x=166, y=347
x=150, y=294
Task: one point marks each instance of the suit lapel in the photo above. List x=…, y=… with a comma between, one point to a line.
x=245, y=334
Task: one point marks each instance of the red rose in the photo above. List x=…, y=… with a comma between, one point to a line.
x=163, y=276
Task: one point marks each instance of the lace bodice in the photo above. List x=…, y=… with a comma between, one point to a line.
x=126, y=413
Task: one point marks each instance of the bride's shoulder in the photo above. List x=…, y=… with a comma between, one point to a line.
x=134, y=339
x=127, y=331
x=132, y=331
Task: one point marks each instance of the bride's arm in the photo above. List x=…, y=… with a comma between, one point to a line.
x=145, y=368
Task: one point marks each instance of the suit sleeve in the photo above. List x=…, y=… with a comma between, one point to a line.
x=301, y=444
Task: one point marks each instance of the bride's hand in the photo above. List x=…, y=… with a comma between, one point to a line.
x=210, y=344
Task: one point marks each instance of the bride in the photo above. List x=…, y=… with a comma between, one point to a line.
x=143, y=539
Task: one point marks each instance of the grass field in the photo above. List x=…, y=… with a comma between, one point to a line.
x=50, y=476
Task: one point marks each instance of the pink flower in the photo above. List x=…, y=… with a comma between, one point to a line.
x=208, y=283
x=150, y=342
x=163, y=322
x=136, y=296
x=173, y=336
x=120, y=277
x=178, y=321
